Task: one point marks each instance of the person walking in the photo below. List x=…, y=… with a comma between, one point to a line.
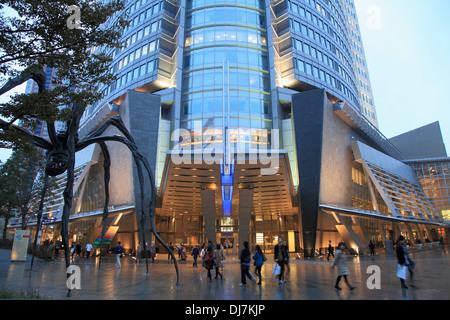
x=58, y=246
x=88, y=249
x=195, y=253
x=203, y=251
x=330, y=250
x=179, y=249
x=138, y=252
x=72, y=250
x=183, y=253
x=218, y=259
x=340, y=260
x=223, y=256
x=78, y=250
x=372, y=248
x=208, y=261
x=286, y=255
x=280, y=259
x=245, y=264
x=119, y=252
x=169, y=256
x=405, y=264
x=259, y=258
x=153, y=252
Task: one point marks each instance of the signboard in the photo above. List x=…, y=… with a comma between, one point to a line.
x=108, y=238
x=20, y=245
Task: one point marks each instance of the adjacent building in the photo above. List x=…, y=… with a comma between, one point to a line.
x=258, y=120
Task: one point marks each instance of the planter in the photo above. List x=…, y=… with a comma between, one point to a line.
x=418, y=246
x=430, y=244
x=436, y=244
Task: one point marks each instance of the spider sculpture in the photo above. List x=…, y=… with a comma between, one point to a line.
x=60, y=153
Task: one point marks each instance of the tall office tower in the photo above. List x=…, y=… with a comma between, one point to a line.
x=257, y=119
x=359, y=59
x=32, y=87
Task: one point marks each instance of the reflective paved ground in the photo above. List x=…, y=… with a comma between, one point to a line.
x=307, y=279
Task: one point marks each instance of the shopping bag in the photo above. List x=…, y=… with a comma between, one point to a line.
x=276, y=269
x=402, y=272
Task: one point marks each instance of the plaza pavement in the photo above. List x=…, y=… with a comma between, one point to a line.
x=307, y=279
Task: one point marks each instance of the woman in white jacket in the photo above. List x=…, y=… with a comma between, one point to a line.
x=340, y=260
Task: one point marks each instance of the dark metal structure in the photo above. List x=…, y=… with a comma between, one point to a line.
x=61, y=151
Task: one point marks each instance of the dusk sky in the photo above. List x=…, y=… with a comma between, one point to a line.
x=407, y=46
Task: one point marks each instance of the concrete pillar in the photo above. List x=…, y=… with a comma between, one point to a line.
x=410, y=232
x=308, y=116
x=396, y=229
x=351, y=239
x=145, y=130
x=209, y=214
x=360, y=232
x=428, y=232
x=245, y=213
x=382, y=227
x=420, y=233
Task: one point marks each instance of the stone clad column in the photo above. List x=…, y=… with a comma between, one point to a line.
x=209, y=214
x=245, y=214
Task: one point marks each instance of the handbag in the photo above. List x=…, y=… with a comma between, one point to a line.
x=402, y=272
x=276, y=269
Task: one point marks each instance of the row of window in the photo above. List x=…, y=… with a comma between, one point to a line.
x=315, y=36
x=218, y=35
x=139, y=3
x=242, y=103
x=133, y=74
x=364, y=85
x=239, y=106
x=319, y=55
x=357, y=47
x=365, y=98
x=319, y=74
x=360, y=59
x=136, y=54
x=225, y=15
x=191, y=4
x=368, y=112
x=350, y=8
x=144, y=32
x=152, y=11
x=215, y=56
x=144, y=15
x=362, y=72
x=321, y=24
x=216, y=123
x=238, y=78
x=143, y=69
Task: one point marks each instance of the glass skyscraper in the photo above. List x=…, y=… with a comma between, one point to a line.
x=227, y=60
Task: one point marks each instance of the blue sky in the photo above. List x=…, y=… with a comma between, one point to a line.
x=407, y=46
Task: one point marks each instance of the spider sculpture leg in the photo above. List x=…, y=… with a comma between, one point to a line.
x=107, y=175
x=39, y=217
x=138, y=158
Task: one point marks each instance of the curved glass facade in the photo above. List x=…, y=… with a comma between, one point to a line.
x=226, y=73
x=221, y=49
x=316, y=42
